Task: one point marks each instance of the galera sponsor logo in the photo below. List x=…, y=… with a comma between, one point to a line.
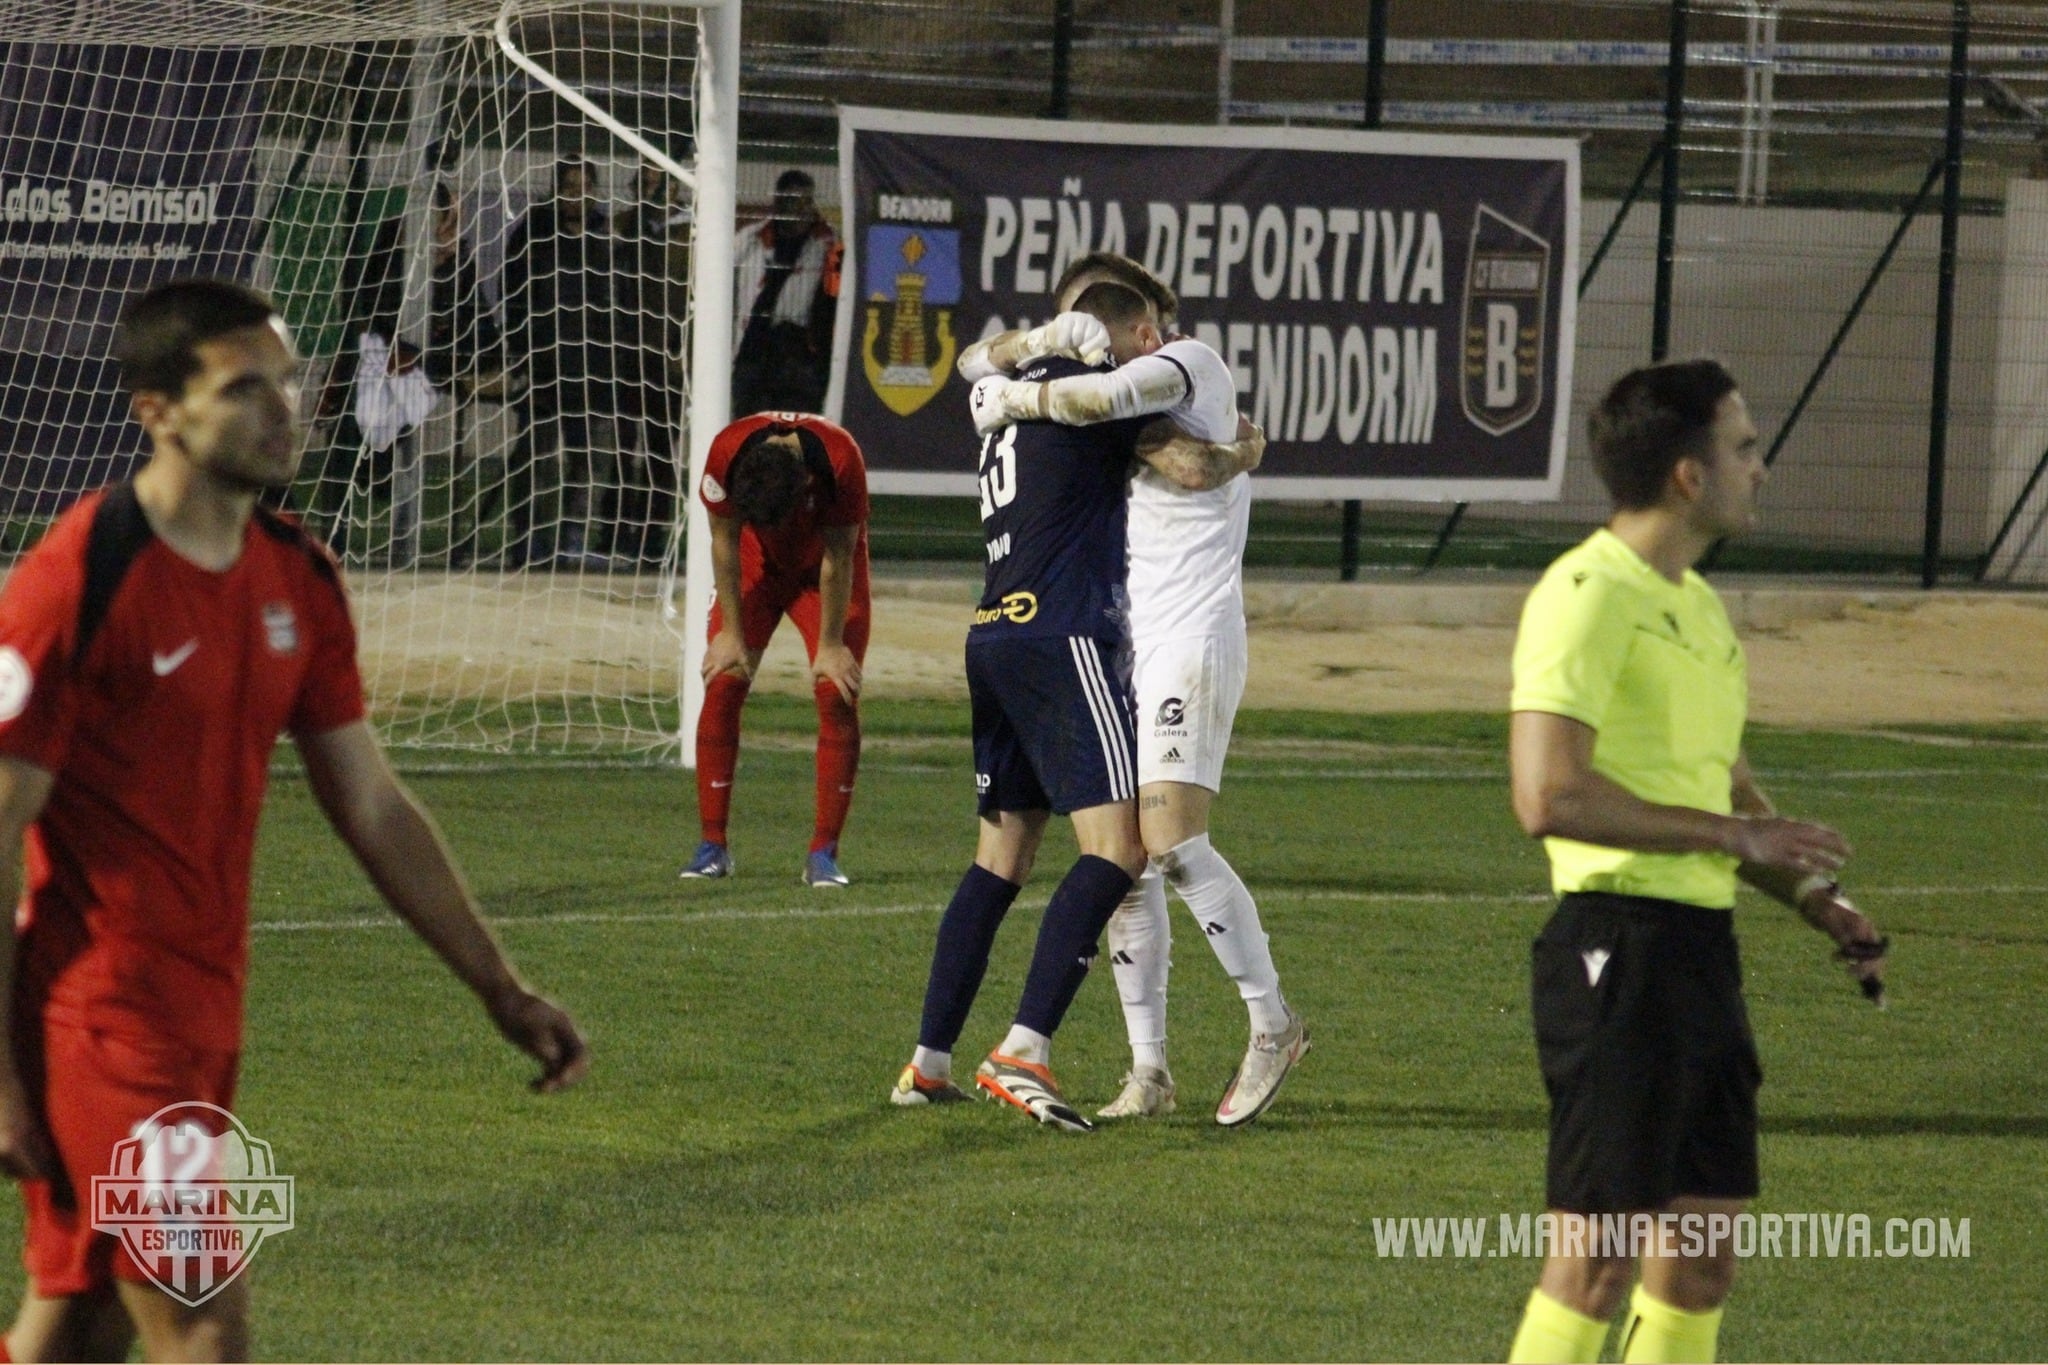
x=192, y=1195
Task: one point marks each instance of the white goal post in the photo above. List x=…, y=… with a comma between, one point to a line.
x=495, y=227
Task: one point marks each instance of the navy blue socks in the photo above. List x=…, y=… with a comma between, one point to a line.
x=966, y=933
x=1074, y=920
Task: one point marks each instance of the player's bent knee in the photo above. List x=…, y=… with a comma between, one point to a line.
x=1007, y=844
x=1593, y=1285
x=1014, y=868
x=1697, y=1284
x=1171, y=813
x=88, y=1326
x=216, y=1330
x=1126, y=854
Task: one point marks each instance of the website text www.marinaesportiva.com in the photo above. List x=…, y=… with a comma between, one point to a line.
x=1854, y=1236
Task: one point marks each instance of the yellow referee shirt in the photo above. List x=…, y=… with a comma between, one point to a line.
x=1655, y=669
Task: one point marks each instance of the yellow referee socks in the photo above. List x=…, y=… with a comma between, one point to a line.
x=1658, y=1332
x=1552, y=1334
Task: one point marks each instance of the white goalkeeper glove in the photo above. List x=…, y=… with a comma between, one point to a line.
x=998, y=401
x=1080, y=335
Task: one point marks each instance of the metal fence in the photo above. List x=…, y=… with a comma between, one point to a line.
x=1835, y=196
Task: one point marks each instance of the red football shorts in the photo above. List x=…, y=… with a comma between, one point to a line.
x=764, y=601
x=96, y=1088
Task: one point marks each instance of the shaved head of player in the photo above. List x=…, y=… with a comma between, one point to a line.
x=1625, y=758
x=1098, y=266
x=153, y=646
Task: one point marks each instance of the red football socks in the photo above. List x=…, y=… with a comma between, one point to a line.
x=838, y=762
x=718, y=752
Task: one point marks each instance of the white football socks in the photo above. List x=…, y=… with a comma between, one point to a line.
x=1229, y=919
x=933, y=1066
x=1141, y=954
x=1027, y=1045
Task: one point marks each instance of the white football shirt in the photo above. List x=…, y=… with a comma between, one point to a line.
x=1187, y=548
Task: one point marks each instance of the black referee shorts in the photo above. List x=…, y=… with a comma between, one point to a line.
x=1646, y=1053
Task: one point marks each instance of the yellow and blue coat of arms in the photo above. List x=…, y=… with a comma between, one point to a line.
x=911, y=278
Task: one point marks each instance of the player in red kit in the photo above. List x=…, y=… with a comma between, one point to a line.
x=152, y=648
x=788, y=498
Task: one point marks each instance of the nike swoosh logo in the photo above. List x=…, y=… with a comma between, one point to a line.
x=167, y=664
x=716, y=785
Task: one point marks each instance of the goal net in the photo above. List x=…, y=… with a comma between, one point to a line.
x=481, y=222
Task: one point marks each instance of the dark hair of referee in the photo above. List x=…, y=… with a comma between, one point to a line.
x=1650, y=420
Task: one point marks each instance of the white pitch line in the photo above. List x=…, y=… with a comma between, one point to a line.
x=688, y=918
x=1250, y=774
x=300, y=926
x=1251, y=771
x=513, y=766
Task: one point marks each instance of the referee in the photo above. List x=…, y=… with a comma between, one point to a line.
x=1626, y=757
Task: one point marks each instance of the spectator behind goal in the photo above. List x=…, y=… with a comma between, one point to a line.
x=787, y=292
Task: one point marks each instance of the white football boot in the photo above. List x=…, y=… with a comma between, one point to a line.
x=1266, y=1063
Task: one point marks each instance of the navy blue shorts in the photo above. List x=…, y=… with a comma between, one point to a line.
x=1054, y=725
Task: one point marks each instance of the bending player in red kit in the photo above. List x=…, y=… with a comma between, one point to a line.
x=788, y=498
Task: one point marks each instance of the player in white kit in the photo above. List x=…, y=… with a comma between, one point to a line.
x=1188, y=635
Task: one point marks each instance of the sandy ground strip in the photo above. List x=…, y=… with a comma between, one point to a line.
x=1819, y=654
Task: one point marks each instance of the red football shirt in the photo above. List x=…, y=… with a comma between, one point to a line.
x=794, y=549
x=156, y=707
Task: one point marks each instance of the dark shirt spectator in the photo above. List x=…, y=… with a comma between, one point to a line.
x=558, y=329
x=652, y=252
x=462, y=334
x=558, y=296
x=788, y=293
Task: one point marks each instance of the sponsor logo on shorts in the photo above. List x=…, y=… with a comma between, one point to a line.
x=1596, y=963
x=1172, y=711
x=192, y=1194
x=982, y=782
x=1172, y=756
x=1016, y=607
x=17, y=681
x=714, y=491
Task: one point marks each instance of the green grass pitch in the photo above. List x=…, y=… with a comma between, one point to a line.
x=731, y=1183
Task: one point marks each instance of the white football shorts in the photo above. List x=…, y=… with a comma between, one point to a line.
x=1187, y=691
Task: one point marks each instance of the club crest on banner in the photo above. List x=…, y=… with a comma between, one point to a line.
x=912, y=285
x=1506, y=294
x=192, y=1195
